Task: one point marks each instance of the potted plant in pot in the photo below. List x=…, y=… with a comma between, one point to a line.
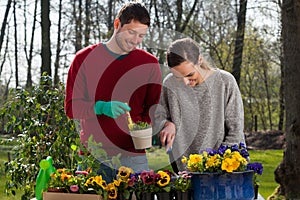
x=149, y=183
x=182, y=186
x=222, y=174
x=141, y=133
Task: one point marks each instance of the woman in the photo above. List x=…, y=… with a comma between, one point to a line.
x=200, y=106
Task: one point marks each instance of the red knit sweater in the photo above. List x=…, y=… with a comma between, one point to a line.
x=97, y=75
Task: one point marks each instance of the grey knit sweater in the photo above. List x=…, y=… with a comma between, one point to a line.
x=206, y=116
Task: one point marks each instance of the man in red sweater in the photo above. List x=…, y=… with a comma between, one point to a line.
x=104, y=77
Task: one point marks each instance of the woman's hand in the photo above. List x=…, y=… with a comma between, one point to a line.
x=167, y=135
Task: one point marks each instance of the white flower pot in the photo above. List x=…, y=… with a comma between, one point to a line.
x=142, y=139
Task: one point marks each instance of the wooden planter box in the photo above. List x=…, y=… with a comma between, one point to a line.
x=69, y=196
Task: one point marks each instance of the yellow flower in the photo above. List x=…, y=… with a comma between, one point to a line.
x=60, y=170
x=164, y=178
x=112, y=191
x=205, y=154
x=195, y=158
x=230, y=164
x=100, y=181
x=227, y=153
x=213, y=161
x=65, y=176
x=117, y=182
x=53, y=175
x=124, y=172
x=96, y=180
x=226, y=158
x=184, y=160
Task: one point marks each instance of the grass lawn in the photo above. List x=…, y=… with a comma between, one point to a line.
x=270, y=160
x=158, y=159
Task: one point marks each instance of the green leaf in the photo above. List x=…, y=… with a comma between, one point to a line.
x=73, y=147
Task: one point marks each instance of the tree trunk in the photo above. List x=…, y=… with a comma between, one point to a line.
x=58, y=46
x=16, y=47
x=179, y=15
x=281, y=95
x=239, y=41
x=188, y=17
x=30, y=56
x=4, y=23
x=4, y=56
x=110, y=24
x=87, y=22
x=78, y=25
x=266, y=81
x=180, y=25
x=46, y=47
x=288, y=173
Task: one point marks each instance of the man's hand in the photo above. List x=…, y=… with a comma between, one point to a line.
x=111, y=109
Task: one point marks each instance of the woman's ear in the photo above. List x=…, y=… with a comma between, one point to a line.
x=117, y=23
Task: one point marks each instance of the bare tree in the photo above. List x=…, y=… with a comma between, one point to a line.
x=5, y=52
x=87, y=30
x=4, y=23
x=16, y=45
x=46, y=45
x=58, y=45
x=30, y=56
x=239, y=41
x=77, y=13
x=288, y=172
x=180, y=24
x=110, y=17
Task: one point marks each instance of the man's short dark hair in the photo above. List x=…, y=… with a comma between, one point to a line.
x=134, y=11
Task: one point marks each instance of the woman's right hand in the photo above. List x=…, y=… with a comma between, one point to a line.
x=167, y=135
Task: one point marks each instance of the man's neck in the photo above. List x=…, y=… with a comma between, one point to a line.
x=114, y=48
x=115, y=55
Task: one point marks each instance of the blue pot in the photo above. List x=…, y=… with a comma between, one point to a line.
x=236, y=185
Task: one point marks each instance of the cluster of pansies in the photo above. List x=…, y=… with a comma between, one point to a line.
x=125, y=183
x=152, y=182
x=225, y=159
x=85, y=182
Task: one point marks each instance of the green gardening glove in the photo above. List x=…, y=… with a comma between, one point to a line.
x=111, y=109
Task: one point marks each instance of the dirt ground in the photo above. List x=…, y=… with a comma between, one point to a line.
x=265, y=140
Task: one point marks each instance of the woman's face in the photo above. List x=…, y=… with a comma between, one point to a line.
x=187, y=72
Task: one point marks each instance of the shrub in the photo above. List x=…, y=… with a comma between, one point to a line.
x=37, y=120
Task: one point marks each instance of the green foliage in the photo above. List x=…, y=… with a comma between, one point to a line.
x=140, y=125
x=260, y=83
x=36, y=117
x=92, y=153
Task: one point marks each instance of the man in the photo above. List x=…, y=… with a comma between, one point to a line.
x=104, y=77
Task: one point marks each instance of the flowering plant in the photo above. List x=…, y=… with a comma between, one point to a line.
x=150, y=181
x=226, y=159
x=124, y=182
x=97, y=185
x=63, y=179
x=80, y=182
x=182, y=181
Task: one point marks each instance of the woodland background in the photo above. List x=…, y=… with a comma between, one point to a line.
x=240, y=37
x=258, y=41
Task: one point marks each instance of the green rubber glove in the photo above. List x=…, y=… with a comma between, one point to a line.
x=111, y=109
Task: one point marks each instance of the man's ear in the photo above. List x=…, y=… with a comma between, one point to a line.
x=200, y=59
x=117, y=23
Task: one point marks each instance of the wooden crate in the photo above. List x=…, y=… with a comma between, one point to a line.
x=70, y=196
